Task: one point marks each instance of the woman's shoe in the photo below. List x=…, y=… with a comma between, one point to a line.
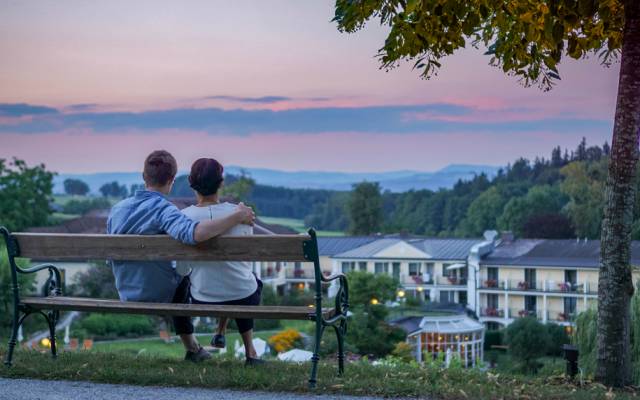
x=219, y=341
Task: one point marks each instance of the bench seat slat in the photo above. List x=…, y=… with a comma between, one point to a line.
x=82, y=247
x=193, y=310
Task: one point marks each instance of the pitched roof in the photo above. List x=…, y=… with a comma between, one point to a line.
x=329, y=246
x=437, y=249
x=446, y=249
x=552, y=253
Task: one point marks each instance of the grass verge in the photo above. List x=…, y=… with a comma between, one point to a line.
x=361, y=378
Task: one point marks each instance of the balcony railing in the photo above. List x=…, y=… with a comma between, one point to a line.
x=452, y=280
x=492, y=312
x=421, y=279
x=562, y=317
x=539, y=286
x=522, y=313
x=298, y=274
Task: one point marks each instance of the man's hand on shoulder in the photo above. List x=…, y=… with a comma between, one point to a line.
x=245, y=214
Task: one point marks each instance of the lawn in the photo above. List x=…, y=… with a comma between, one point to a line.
x=296, y=224
x=157, y=347
x=361, y=378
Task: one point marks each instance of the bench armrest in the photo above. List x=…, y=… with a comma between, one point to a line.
x=55, y=277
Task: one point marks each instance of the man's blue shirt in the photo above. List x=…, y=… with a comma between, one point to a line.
x=148, y=213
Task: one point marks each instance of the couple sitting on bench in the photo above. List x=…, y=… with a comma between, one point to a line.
x=149, y=212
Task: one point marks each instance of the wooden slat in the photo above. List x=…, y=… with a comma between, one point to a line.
x=194, y=310
x=65, y=247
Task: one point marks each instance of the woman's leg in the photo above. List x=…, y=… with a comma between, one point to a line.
x=247, y=339
x=222, y=326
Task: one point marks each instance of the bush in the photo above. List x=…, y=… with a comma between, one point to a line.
x=557, y=337
x=286, y=340
x=403, y=351
x=412, y=301
x=109, y=326
x=493, y=338
x=370, y=333
x=528, y=340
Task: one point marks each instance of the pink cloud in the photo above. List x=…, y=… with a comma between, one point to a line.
x=82, y=151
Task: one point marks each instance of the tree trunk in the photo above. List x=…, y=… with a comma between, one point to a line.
x=615, y=285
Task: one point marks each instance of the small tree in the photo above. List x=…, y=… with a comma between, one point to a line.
x=528, y=340
x=113, y=189
x=365, y=208
x=25, y=194
x=75, y=187
x=365, y=287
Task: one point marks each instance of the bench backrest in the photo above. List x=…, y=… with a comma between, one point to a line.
x=69, y=247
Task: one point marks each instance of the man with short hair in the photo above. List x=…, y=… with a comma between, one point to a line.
x=148, y=212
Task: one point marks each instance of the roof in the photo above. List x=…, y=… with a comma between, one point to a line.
x=552, y=253
x=437, y=249
x=447, y=249
x=330, y=246
x=455, y=323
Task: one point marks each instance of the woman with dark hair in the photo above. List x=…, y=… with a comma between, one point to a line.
x=221, y=282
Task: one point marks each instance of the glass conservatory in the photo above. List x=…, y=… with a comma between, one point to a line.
x=446, y=336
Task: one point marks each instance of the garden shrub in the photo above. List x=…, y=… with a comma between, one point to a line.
x=109, y=326
x=286, y=340
x=557, y=337
x=403, y=351
x=528, y=340
x=493, y=338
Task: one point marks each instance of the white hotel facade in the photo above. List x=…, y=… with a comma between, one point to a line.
x=499, y=278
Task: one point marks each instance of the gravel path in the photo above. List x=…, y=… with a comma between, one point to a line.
x=32, y=389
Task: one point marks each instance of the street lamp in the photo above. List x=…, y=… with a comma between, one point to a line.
x=401, y=293
x=374, y=301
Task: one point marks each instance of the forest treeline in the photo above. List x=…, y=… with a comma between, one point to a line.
x=556, y=197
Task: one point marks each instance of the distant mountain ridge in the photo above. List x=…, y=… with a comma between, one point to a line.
x=395, y=181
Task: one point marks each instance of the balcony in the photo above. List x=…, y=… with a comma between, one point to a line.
x=562, y=317
x=491, y=312
x=452, y=280
x=539, y=286
x=422, y=279
x=492, y=284
x=299, y=274
x=522, y=313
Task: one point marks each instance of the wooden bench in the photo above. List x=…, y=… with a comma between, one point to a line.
x=73, y=247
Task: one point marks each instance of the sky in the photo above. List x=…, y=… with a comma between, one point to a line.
x=95, y=86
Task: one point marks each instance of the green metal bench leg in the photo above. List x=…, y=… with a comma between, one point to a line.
x=13, y=340
x=340, y=335
x=52, y=321
x=316, y=357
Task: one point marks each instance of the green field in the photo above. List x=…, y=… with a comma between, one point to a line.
x=296, y=224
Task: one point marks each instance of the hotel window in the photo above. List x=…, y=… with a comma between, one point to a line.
x=381, y=268
x=530, y=278
x=348, y=266
x=447, y=296
x=362, y=265
x=530, y=303
x=396, y=270
x=492, y=301
x=445, y=271
x=492, y=273
x=569, y=305
x=414, y=269
x=429, y=268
